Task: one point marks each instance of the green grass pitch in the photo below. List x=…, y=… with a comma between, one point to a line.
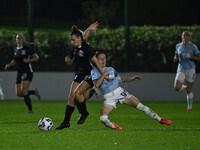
x=19, y=130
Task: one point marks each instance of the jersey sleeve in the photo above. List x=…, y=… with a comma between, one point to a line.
x=176, y=51
x=196, y=50
x=115, y=73
x=95, y=74
x=30, y=50
x=89, y=50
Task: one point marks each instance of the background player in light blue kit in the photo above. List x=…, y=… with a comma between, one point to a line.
x=186, y=52
x=113, y=93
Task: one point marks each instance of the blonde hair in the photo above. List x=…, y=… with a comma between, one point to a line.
x=26, y=42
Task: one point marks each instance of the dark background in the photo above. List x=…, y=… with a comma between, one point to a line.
x=107, y=12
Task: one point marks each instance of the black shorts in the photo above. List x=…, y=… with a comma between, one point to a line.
x=79, y=77
x=28, y=76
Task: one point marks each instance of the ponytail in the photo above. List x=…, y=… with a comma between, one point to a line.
x=77, y=32
x=32, y=43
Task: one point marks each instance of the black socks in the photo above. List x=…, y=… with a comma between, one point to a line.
x=68, y=112
x=31, y=92
x=82, y=108
x=28, y=102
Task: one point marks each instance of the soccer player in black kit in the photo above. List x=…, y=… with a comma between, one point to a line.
x=23, y=56
x=81, y=54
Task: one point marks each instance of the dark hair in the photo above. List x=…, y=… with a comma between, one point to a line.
x=77, y=32
x=99, y=54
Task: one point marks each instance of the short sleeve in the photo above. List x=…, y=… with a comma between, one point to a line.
x=30, y=50
x=196, y=50
x=115, y=73
x=89, y=50
x=176, y=51
x=95, y=74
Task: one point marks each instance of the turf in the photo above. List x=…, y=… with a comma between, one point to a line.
x=19, y=130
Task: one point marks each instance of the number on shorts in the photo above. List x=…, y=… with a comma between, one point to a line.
x=124, y=94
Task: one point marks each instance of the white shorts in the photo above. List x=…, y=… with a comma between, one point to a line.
x=188, y=75
x=117, y=95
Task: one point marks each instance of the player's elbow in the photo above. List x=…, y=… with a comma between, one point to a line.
x=96, y=85
x=37, y=58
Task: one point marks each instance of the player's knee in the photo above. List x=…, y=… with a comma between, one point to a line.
x=188, y=90
x=177, y=88
x=18, y=94
x=86, y=97
x=103, y=118
x=23, y=93
x=77, y=93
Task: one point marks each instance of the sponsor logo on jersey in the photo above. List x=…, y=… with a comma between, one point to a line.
x=81, y=53
x=23, y=52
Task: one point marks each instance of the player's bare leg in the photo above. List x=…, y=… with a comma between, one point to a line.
x=87, y=94
x=18, y=89
x=178, y=86
x=90, y=92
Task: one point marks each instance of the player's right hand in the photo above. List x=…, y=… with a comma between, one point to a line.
x=106, y=76
x=175, y=58
x=106, y=73
x=67, y=59
x=6, y=67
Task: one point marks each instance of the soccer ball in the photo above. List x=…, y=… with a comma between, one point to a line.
x=45, y=124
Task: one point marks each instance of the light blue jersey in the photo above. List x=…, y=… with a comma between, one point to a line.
x=183, y=52
x=106, y=86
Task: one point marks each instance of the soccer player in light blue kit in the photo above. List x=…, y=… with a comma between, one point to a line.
x=113, y=93
x=186, y=52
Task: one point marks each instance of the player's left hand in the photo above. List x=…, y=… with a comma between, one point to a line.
x=134, y=78
x=94, y=26
x=191, y=56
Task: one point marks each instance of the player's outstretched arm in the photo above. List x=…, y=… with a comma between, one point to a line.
x=93, y=26
x=127, y=79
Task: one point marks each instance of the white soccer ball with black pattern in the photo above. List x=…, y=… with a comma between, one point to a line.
x=45, y=124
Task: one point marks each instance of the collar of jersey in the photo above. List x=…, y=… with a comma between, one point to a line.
x=19, y=47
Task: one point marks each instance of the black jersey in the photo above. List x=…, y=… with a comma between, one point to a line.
x=21, y=54
x=82, y=56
